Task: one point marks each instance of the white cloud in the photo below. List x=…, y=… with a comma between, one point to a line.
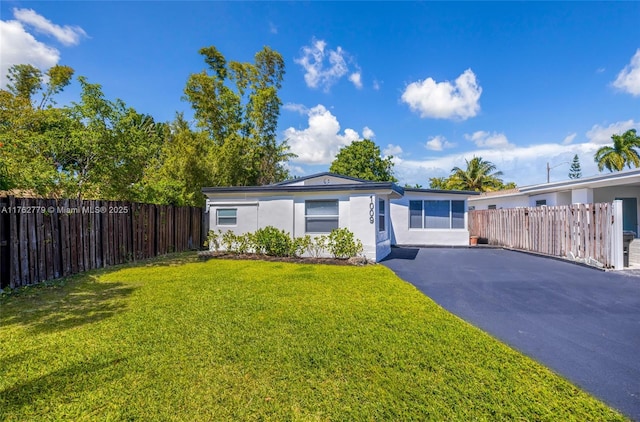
x=67, y=35
x=602, y=135
x=438, y=143
x=492, y=140
x=298, y=108
x=569, y=138
x=313, y=62
x=392, y=150
x=356, y=79
x=321, y=140
x=20, y=47
x=376, y=85
x=444, y=100
x=368, y=133
x=273, y=28
x=628, y=79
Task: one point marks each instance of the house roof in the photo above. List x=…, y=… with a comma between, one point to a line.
x=353, y=184
x=323, y=174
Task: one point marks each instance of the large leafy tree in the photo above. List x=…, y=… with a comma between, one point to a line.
x=478, y=175
x=622, y=153
x=237, y=105
x=363, y=159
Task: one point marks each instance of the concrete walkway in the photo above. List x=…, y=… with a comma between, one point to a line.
x=582, y=323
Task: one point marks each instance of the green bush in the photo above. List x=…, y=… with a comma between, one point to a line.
x=246, y=243
x=230, y=241
x=213, y=240
x=300, y=245
x=271, y=241
x=342, y=244
x=316, y=246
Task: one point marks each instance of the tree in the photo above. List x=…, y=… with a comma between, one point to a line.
x=622, y=153
x=362, y=159
x=575, y=172
x=26, y=80
x=479, y=175
x=237, y=104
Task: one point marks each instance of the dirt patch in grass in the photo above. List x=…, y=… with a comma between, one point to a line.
x=357, y=261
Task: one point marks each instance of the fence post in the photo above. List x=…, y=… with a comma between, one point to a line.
x=616, y=236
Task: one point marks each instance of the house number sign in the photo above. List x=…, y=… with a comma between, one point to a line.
x=372, y=211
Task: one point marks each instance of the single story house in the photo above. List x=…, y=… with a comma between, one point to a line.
x=622, y=185
x=380, y=214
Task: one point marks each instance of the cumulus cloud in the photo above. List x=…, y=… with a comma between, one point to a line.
x=356, y=79
x=319, y=73
x=569, y=138
x=19, y=46
x=438, y=143
x=491, y=140
x=392, y=150
x=602, y=135
x=368, y=133
x=67, y=35
x=628, y=79
x=321, y=140
x=444, y=100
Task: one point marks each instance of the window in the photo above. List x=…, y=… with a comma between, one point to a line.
x=227, y=217
x=321, y=216
x=541, y=203
x=381, y=214
x=457, y=214
x=491, y=207
x=436, y=214
x=415, y=214
x=472, y=207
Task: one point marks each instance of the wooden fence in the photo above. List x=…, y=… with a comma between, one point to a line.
x=44, y=239
x=581, y=231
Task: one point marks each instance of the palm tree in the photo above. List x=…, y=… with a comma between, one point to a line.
x=479, y=176
x=622, y=153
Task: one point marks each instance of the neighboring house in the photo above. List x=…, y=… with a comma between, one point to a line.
x=380, y=214
x=623, y=185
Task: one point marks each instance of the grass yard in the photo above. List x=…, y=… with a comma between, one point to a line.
x=178, y=339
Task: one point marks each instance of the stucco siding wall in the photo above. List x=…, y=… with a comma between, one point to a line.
x=359, y=223
x=508, y=202
x=246, y=217
x=401, y=234
x=276, y=212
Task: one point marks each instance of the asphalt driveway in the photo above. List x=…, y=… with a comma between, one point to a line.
x=582, y=323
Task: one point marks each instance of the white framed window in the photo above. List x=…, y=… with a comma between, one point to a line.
x=541, y=203
x=381, y=215
x=436, y=214
x=321, y=216
x=227, y=216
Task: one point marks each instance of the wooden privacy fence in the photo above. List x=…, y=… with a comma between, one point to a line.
x=44, y=239
x=580, y=231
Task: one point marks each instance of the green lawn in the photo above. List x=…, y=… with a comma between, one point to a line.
x=178, y=339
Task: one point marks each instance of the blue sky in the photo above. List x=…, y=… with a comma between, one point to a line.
x=433, y=84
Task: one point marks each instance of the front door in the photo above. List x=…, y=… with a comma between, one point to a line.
x=629, y=214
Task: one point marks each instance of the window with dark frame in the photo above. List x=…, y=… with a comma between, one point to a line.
x=381, y=215
x=227, y=217
x=321, y=216
x=436, y=214
x=541, y=202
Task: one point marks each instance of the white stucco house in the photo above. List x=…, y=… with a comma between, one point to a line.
x=380, y=214
x=623, y=185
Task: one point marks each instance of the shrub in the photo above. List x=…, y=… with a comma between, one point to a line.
x=213, y=241
x=300, y=245
x=230, y=241
x=316, y=246
x=342, y=244
x=246, y=243
x=271, y=241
